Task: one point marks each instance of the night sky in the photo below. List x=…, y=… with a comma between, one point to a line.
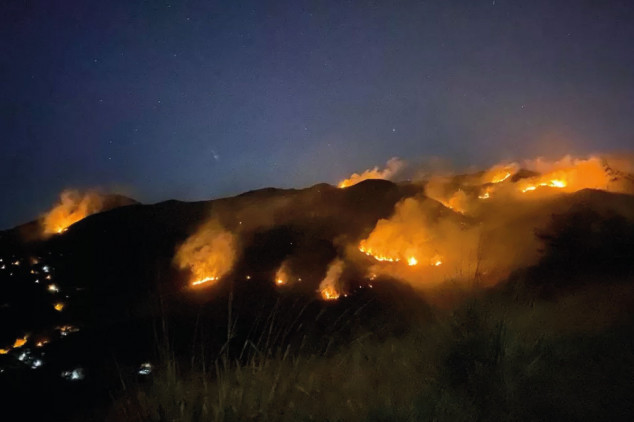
x=196, y=100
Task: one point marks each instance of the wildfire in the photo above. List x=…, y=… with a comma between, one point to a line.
x=4, y=351
x=569, y=174
x=486, y=194
x=59, y=306
x=282, y=275
x=393, y=166
x=19, y=342
x=330, y=294
x=329, y=285
x=411, y=261
x=204, y=280
x=369, y=252
x=72, y=207
x=208, y=254
x=41, y=343
x=555, y=183
x=499, y=173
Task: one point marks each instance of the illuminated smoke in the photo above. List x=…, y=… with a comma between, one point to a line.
x=330, y=285
x=500, y=173
x=73, y=206
x=208, y=254
x=418, y=240
x=424, y=245
x=568, y=174
x=392, y=167
x=282, y=275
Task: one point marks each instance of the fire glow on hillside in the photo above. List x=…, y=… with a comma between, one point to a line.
x=208, y=254
x=73, y=206
x=423, y=236
x=460, y=227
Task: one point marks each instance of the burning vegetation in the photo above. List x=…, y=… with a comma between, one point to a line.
x=208, y=254
x=74, y=206
x=425, y=245
x=330, y=286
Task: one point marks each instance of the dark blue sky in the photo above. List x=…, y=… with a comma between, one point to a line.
x=194, y=100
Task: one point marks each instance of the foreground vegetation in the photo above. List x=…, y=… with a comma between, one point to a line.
x=495, y=357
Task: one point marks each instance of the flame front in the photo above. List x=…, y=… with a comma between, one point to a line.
x=208, y=254
x=403, y=237
x=567, y=174
x=19, y=342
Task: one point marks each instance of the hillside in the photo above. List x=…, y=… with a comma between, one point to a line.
x=106, y=292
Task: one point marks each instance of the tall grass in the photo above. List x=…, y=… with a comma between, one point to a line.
x=476, y=363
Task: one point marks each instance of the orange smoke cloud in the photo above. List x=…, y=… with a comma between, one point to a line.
x=208, y=254
x=426, y=244
x=417, y=240
x=72, y=207
x=445, y=191
x=500, y=173
x=392, y=167
x=330, y=285
x=568, y=174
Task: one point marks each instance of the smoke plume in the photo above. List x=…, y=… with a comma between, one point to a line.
x=208, y=254
x=393, y=166
x=73, y=206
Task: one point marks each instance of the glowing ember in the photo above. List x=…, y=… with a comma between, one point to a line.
x=59, y=306
x=378, y=257
x=41, y=343
x=4, y=351
x=486, y=194
x=411, y=261
x=20, y=342
x=499, y=173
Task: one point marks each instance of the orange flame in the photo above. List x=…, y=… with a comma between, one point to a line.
x=19, y=342
x=208, y=254
x=568, y=174
x=72, y=207
x=499, y=173
x=282, y=275
x=329, y=285
x=403, y=237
